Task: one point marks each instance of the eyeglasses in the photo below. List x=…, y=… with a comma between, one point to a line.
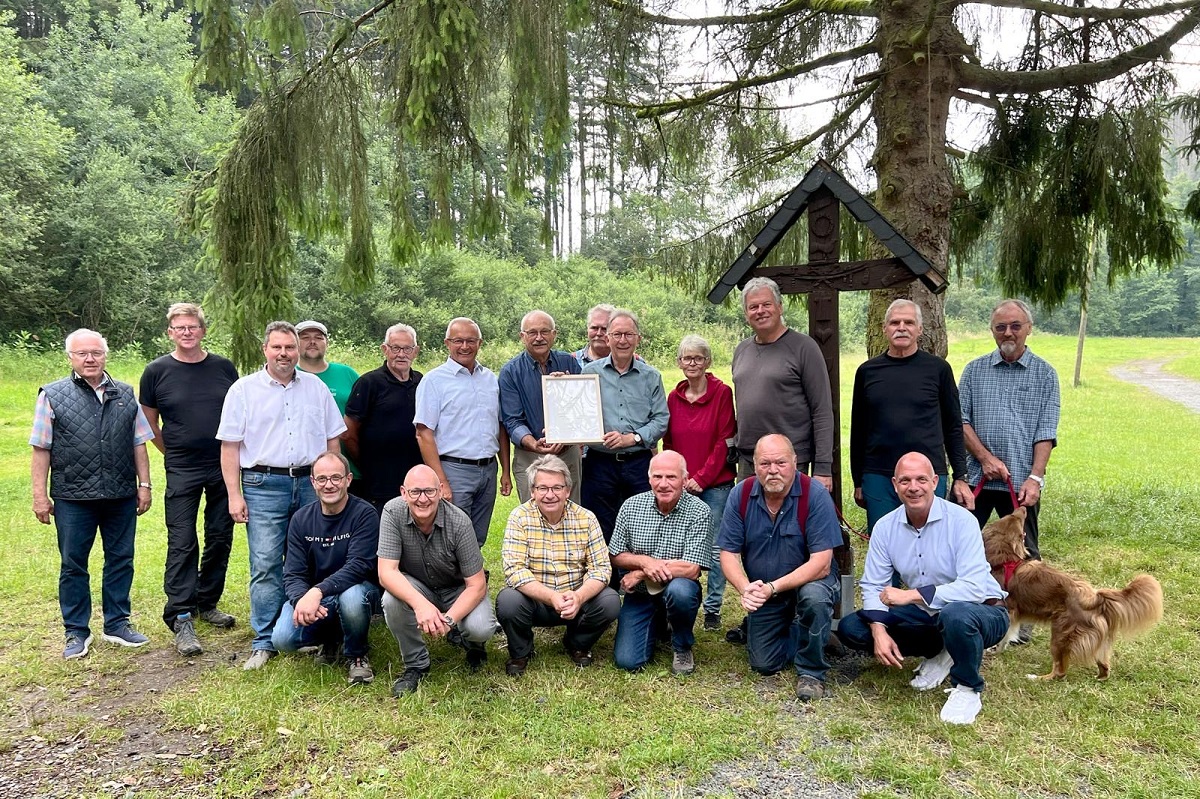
x=555, y=489
x=401, y=349
x=459, y=342
x=83, y=355
x=1013, y=326
x=186, y=328
x=624, y=336
x=421, y=492
x=538, y=333
x=334, y=479
x=692, y=359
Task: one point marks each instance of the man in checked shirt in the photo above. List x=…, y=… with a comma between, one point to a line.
x=556, y=570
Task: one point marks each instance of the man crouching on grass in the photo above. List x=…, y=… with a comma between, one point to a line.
x=953, y=608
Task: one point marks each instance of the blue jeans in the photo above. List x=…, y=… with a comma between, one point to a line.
x=271, y=499
x=881, y=498
x=76, y=522
x=715, y=498
x=474, y=489
x=963, y=629
x=634, y=643
x=349, y=617
x=793, y=626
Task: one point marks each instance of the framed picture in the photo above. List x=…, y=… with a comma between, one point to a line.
x=572, y=408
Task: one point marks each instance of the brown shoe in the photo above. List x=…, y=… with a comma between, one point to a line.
x=515, y=667
x=580, y=657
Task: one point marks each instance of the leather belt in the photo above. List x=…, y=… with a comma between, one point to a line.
x=619, y=457
x=468, y=461
x=995, y=601
x=286, y=471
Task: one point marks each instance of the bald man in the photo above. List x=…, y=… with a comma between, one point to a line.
x=952, y=609
x=661, y=540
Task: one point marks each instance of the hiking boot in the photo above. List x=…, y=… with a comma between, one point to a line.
x=962, y=707
x=809, y=688
x=258, y=658
x=186, y=642
x=408, y=682
x=477, y=657
x=580, y=657
x=515, y=667
x=217, y=618
x=932, y=672
x=359, y=672
x=712, y=621
x=76, y=646
x=683, y=663
x=125, y=635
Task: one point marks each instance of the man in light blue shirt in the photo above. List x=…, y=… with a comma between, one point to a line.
x=953, y=608
x=521, y=407
x=635, y=418
x=459, y=430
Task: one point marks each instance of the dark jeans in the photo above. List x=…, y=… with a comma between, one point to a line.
x=963, y=629
x=349, y=619
x=608, y=482
x=1001, y=502
x=518, y=615
x=794, y=627
x=194, y=581
x=636, y=625
x=76, y=522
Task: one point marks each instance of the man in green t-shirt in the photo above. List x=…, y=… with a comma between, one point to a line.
x=338, y=377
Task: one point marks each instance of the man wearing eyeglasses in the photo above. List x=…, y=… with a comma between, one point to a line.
x=185, y=389
x=432, y=571
x=1010, y=408
x=329, y=572
x=380, y=435
x=274, y=424
x=521, y=407
x=459, y=430
x=89, y=445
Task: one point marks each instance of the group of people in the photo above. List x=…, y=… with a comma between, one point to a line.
x=374, y=493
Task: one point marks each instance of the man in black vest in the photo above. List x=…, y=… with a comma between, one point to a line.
x=89, y=443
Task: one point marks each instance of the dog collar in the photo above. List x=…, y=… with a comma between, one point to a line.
x=1010, y=569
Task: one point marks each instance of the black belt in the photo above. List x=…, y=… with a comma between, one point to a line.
x=619, y=457
x=994, y=601
x=469, y=461
x=286, y=471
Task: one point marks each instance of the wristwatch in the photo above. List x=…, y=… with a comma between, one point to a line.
x=446, y=617
x=637, y=439
x=145, y=485
x=1041, y=481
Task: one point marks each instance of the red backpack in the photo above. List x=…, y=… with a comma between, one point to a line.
x=747, y=486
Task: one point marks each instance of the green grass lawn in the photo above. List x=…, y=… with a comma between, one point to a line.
x=1121, y=497
x=1186, y=366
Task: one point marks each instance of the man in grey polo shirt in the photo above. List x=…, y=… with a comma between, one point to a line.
x=432, y=570
x=274, y=424
x=661, y=541
x=459, y=430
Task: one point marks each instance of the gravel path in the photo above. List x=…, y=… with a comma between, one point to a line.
x=1149, y=374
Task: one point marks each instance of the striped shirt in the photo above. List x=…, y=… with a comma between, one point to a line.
x=42, y=435
x=559, y=556
x=683, y=534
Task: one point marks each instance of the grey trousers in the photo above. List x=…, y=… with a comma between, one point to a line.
x=479, y=625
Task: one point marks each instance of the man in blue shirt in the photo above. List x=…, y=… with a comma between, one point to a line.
x=952, y=609
x=779, y=557
x=635, y=418
x=521, y=408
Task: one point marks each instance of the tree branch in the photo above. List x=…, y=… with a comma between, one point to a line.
x=855, y=8
x=1087, y=12
x=997, y=81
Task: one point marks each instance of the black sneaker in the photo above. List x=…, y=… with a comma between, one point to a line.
x=408, y=682
x=712, y=621
x=737, y=635
x=186, y=642
x=477, y=657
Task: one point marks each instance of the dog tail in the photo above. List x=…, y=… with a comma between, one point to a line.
x=1133, y=609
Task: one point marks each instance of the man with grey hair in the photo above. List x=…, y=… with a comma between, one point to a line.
x=597, y=335
x=90, y=472
x=380, y=436
x=905, y=400
x=274, y=424
x=459, y=430
x=521, y=407
x=185, y=389
x=635, y=418
x=1010, y=408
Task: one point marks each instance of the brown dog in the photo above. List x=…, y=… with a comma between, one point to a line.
x=1084, y=620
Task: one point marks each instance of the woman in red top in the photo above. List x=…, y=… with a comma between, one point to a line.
x=700, y=429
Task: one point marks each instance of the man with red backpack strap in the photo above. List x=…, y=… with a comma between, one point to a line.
x=776, y=541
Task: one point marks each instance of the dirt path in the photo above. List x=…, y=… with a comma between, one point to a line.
x=1149, y=374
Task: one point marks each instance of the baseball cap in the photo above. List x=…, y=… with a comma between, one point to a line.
x=312, y=324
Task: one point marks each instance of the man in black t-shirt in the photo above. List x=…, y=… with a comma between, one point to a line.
x=380, y=437
x=186, y=390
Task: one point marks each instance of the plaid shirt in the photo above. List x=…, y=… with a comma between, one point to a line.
x=683, y=534
x=560, y=556
x=1011, y=406
x=42, y=435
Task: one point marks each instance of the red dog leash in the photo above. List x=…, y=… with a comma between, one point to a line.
x=1012, y=493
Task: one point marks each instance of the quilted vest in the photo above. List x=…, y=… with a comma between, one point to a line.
x=91, y=456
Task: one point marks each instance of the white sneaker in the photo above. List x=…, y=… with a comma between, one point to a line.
x=932, y=672
x=963, y=705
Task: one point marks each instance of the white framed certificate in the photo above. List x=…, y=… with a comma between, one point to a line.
x=571, y=404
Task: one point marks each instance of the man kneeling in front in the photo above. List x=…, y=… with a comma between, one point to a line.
x=953, y=608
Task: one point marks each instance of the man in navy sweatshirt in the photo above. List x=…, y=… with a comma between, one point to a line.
x=329, y=571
